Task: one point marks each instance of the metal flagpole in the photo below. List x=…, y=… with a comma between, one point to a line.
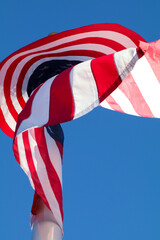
x=44, y=226
x=46, y=230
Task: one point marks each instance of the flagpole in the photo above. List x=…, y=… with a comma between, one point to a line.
x=46, y=230
x=44, y=226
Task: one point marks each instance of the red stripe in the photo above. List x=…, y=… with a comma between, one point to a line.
x=35, y=206
x=5, y=127
x=52, y=175
x=60, y=148
x=113, y=104
x=61, y=99
x=140, y=52
x=16, y=151
x=106, y=75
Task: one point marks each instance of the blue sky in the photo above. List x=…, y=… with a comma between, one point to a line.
x=111, y=171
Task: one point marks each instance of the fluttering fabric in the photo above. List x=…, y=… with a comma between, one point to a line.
x=64, y=76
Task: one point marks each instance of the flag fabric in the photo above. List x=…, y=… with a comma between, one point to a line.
x=62, y=98
x=48, y=57
x=139, y=93
x=62, y=77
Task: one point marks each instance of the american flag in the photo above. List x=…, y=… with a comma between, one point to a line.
x=81, y=44
x=62, y=77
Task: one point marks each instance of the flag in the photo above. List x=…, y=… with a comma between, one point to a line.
x=64, y=97
x=18, y=72
x=62, y=77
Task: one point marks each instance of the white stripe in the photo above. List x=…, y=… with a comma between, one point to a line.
x=43, y=177
x=54, y=154
x=5, y=110
x=23, y=160
x=105, y=104
x=125, y=61
x=148, y=85
x=123, y=102
x=8, y=117
x=39, y=109
x=17, y=106
x=84, y=89
x=89, y=46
